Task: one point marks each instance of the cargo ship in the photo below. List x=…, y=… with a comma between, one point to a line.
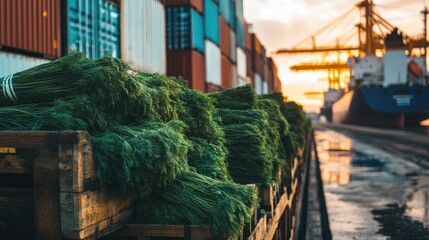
x=390, y=91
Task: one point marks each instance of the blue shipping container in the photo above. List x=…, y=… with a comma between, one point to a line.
x=227, y=11
x=93, y=27
x=184, y=28
x=241, y=37
x=211, y=22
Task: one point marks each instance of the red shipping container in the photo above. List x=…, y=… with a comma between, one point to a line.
x=225, y=37
x=226, y=72
x=188, y=64
x=31, y=26
x=256, y=44
x=197, y=4
x=212, y=88
x=248, y=37
x=249, y=63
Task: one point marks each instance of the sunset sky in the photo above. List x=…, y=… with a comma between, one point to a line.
x=284, y=23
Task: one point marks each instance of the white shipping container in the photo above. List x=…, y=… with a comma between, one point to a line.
x=265, y=89
x=213, y=66
x=11, y=63
x=143, y=43
x=233, y=44
x=258, y=83
x=241, y=63
x=234, y=76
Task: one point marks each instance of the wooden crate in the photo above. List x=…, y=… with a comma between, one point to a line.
x=267, y=194
x=49, y=188
x=149, y=231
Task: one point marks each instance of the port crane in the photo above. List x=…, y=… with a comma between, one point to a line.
x=366, y=38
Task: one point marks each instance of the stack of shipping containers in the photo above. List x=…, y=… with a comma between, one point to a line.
x=206, y=42
x=185, y=41
x=257, y=67
x=227, y=41
x=241, y=30
x=212, y=43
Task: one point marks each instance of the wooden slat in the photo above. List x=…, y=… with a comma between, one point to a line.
x=278, y=212
x=153, y=230
x=75, y=160
x=260, y=229
x=46, y=193
x=27, y=139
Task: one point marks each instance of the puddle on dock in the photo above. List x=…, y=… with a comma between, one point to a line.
x=363, y=185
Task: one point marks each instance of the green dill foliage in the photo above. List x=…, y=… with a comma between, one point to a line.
x=46, y=82
x=207, y=152
x=164, y=93
x=299, y=125
x=138, y=159
x=235, y=98
x=250, y=158
x=278, y=127
x=195, y=199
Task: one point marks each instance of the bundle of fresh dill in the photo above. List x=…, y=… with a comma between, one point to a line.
x=207, y=153
x=235, y=98
x=135, y=160
x=195, y=199
x=278, y=129
x=247, y=134
x=299, y=125
x=249, y=159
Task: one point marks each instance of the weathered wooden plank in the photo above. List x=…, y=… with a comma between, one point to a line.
x=46, y=194
x=101, y=228
x=260, y=229
x=153, y=230
x=27, y=139
x=96, y=206
x=75, y=160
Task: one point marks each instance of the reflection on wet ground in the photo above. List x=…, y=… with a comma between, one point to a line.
x=370, y=193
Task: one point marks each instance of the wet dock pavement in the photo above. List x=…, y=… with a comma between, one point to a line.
x=376, y=182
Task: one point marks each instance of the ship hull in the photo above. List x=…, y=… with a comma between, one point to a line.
x=353, y=109
x=391, y=107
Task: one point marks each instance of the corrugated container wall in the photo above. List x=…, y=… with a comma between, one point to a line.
x=213, y=66
x=241, y=38
x=241, y=63
x=256, y=44
x=227, y=81
x=257, y=83
x=248, y=37
x=234, y=76
x=249, y=63
x=211, y=21
x=197, y=4
x=268, y=75
x=93, y=27
x=227, y=11
x=11, y=63
x=188, y=64
x=31, y=26
x=233, y=48
x=239, y=10
x=184, y=28
x=143, y=35
x=225, y=35
x=265, y=88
